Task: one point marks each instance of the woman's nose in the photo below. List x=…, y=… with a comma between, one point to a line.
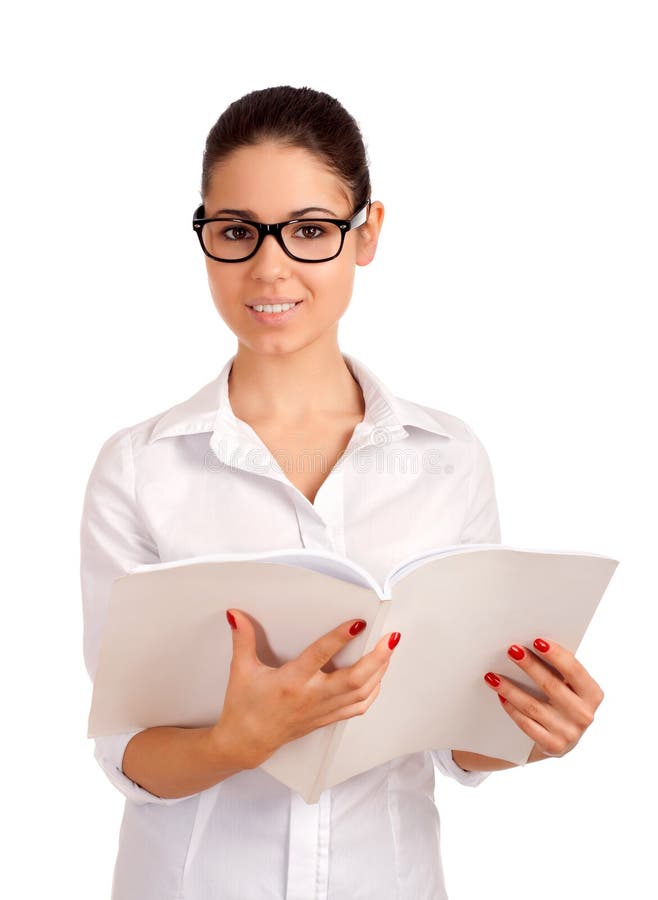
x=270, y=258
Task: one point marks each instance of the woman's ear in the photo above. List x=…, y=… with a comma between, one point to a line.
x=368, y=234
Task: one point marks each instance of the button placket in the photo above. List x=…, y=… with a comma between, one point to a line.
x=308, y=851
x=329, y=506
x=313, y=530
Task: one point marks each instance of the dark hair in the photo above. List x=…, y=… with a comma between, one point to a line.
x=294, y=117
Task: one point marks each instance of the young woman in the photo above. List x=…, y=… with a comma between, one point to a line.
x=294, y=444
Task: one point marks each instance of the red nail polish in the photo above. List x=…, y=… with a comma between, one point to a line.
x=493, y=680
x=516, y=652
x=541, y=645
x=357, y=627
x=502, y=699
x=231, y=619
x=393, y=640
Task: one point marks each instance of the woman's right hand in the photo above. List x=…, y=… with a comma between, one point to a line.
x=265, y=707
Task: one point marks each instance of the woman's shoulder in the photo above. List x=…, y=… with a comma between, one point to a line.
x=386, y=406
x=394, y=409
x=433, y=419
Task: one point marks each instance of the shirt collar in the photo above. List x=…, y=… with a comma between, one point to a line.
x=209, y=410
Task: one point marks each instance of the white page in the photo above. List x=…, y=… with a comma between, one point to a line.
x=324, y=561
x=407, y=565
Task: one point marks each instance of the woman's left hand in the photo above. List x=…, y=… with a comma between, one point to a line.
x=558, y=723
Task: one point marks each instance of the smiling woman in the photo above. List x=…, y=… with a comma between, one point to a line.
x=304, y=442
x=274, y=258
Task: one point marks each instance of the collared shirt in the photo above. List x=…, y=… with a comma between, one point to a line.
x=196, y=480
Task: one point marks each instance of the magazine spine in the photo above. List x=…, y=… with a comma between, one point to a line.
x=377, y=630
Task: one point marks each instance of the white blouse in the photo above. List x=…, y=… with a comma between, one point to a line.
x=196, y=480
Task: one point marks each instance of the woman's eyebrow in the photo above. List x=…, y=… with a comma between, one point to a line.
x=249, y=214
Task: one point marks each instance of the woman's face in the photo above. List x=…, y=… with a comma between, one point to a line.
x=271, y=181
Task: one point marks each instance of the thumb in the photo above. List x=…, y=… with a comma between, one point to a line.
x=244, y=636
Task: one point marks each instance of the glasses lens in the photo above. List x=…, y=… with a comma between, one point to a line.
x=308, y=239
x=227, y=239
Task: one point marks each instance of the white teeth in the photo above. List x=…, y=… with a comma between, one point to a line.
x=274, y=307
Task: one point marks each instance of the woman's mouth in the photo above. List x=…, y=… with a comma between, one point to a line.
x=274, y=313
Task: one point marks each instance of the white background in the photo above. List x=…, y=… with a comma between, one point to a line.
x=514, y=147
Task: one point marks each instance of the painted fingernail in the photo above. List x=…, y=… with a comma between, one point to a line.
x=502, y=699
x=541, y=645
x=231, y=619
x=357, y=627
x=516, y=652
x=393, y=640
x=493, y=680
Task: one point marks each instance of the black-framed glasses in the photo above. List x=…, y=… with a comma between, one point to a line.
x=306, y=240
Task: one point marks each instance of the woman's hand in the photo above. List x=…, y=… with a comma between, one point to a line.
x=265, y=707
x=558, y=723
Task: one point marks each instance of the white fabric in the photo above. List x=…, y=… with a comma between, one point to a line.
x=196, y=480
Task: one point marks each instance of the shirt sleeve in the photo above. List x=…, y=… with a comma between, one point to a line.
x=113, y=540
x=481, y=523
x=447, y=766
x=481, y=526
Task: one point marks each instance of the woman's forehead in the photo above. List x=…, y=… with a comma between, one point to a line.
x=289, y=178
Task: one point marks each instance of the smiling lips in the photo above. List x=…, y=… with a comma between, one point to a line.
x=274, y=313
x=275, y=307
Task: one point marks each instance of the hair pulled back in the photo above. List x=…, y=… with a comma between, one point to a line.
x=293, y=117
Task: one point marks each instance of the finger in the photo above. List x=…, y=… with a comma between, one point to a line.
x=352, y=709
x=553, y=731
x=320, y=652
x=357, y=694
x=546, y=677
x=352, y=678
x=531, y=707
x=576, y=676
x=549, y=743
x=244, y=638
x=560, y=694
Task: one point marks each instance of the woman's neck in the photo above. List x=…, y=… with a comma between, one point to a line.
x=293, y=388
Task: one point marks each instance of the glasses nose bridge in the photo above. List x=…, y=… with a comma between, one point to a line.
x=275, y=231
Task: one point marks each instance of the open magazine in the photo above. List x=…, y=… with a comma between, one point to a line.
x=167, y=646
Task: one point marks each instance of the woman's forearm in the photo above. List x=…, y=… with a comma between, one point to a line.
x=175, y=762
x=475, y=762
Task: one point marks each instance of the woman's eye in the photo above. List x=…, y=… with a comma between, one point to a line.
x=315, y=231
x=233, y=228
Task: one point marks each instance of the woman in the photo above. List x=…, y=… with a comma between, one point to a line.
x=228, y=471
